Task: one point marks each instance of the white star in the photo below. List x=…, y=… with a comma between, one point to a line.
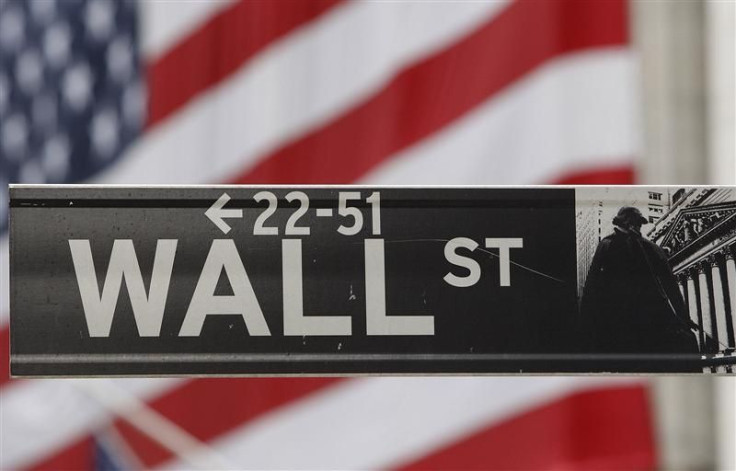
x=31, y=172
x=120, y=58
x=43, y=10
x=14, y=137
x=99, y=18
x=44, y=111
x=105, y=132
x=77, y=86
x=134, y=104
x=55, y=158
x=29, y=71
x=57, y=43
x=4, y=93
x=12, y=29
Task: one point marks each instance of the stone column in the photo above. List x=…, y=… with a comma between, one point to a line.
x=669, y=37
x=705, y=302
x=719, y=301
x=682, y=283
x=692, y=302
x=731, y=278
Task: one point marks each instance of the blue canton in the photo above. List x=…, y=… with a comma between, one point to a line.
x=72, y=94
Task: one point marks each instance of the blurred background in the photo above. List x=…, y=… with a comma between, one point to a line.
x=376, y=92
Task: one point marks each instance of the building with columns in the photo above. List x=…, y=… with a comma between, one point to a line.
x=698, y=232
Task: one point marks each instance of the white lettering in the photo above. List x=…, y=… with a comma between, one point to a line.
x=295, y=323
x=468, y=263
x=377, y=322
x=503, y=245
x=223, y=255
x=148, y=310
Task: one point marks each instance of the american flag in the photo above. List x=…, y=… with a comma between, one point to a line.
x=319, y=91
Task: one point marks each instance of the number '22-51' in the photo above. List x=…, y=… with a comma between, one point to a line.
x=344, y=209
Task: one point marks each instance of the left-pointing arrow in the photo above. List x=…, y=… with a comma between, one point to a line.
x=217, y=213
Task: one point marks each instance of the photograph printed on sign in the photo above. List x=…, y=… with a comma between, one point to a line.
x=656, y=272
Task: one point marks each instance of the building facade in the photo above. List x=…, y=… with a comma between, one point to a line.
x=698, y=232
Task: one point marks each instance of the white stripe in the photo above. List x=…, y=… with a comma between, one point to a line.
x=296, y=85
x=164, y=23
x=577, y=112
x=375, y=423
x=39, y=417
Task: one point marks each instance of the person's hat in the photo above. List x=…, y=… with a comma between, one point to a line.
x=629, y=215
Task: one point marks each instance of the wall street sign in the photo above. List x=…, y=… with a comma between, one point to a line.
x=245, y=280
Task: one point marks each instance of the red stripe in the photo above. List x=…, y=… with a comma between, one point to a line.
x=4, y=355
x=78, y=456
x=429, y=95
x=604, y=429
x=221, y=46
x=601, y=176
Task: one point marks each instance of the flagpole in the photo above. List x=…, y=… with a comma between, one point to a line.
x=154, y=425
x=720, y=20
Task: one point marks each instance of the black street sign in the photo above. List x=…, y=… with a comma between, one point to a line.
x=239, y=280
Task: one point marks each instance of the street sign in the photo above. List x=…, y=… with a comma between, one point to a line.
x=252, y=280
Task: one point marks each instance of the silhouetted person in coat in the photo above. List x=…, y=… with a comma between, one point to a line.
x=631, y=302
